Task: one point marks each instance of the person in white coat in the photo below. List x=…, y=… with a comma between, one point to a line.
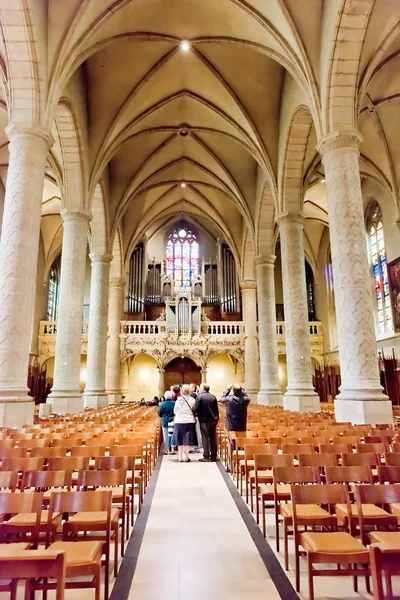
x=185, y=424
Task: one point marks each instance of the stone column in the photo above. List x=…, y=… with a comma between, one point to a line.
x=95, y=391
x=361, y=399
x=113, y=363
x=270, y=392
x=203, y=373
x=66, y=395
x=251, y=362
x=161, y=383
x=28, y=150
x=300, y=394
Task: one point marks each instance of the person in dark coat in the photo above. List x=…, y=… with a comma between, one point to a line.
x=236, y=404
x=206, y=410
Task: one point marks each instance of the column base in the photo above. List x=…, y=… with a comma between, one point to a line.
x=270, y=398
x=16, y=412
x=300, y=403
x=114, y=397
x=252, y=393
x=360, y=412
x=65, y=404
x=95, y=400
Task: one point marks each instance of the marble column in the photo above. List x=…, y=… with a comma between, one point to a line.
x=113, y=362
x=251, y=362
x=270, y=392
x=300, y=394
x=66, y=395
x=361, y=399
x=95, y=391
x=161, y=382
x=19, y=241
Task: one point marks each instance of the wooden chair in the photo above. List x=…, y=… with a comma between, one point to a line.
x=381, y=495
x=48, y=452
x=35, y=443
x=296, y=449
x=246, y=464
x=12, y=505
x=321, y=461
x=22, y=464
x=392, y=459
x=337, y=547
x=83, y=557
x=289, y=476
x=138, y=478
x=378, y=448
x=263, y=477
x=7, y=452
x=68, y=463
x=389, y=474
x=89, y=451
x=360, y=459
x=46, y=482
x=337, y=449
x=8, y=480
x=16, y=564
x=385, y=562
x=115, y=481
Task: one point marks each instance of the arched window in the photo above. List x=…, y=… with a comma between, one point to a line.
x=377, y=250
x=182, y=257
x=54, y=290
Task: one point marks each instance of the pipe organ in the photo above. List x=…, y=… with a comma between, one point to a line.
x=135, y=299
x=229, y=300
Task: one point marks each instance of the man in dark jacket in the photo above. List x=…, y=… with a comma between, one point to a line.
x=236, y=407
x=166, y=414
x=206, y=409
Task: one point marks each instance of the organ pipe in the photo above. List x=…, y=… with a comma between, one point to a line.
x=229, y=281
x=135, y=291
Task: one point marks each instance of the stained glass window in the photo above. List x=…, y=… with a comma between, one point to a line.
x=54, y=289
x=379, y=269
x=182, y=257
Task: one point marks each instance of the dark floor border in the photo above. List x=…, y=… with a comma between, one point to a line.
x=277, y=574
x=127, y=569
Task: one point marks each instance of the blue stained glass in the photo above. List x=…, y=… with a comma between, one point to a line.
x=182, y=254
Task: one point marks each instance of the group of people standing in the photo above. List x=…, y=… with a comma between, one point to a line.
x=186, y=406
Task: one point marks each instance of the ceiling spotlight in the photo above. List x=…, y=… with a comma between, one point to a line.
x=185, y=45
x=322, y=180
x=183, y=185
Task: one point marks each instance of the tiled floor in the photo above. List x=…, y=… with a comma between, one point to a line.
x=196, y=544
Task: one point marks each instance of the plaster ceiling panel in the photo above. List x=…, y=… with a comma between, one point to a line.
x=310, y=150
x=50, y=189
x=273, y=12
x=384, y=16
x=184, y=71
x=386, y=82
x=60, y=16
x=313, y=231
x=373, y=147
x=315, y=199
x=49, y=227
x=112, y=73
x=56, y=147
x=186, y=20
x=257, y=82
x=184, y=170
x=186, y=110
x=52, y=206
x=307, y=23
x=389, y=114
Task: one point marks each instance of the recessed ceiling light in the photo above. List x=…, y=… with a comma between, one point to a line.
x=183, y=184
x=322, y=180
x=185, y=45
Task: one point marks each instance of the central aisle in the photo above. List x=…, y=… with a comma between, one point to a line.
x=196, y=545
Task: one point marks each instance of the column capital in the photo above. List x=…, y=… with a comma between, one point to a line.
x=248, y=284
x=288, y=217
x=265, y=259
x=18, y=131
x=97, y=257
x=75, y=215
x=117, y=282
x=160, y=370
x=349, y=140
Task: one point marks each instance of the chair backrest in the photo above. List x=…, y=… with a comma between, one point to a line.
x=396, y=447
x=392, y=459
x=374, y=494
x=68, y=442
x=43, y=480
x=127, y=451
x=242, y=441
x=326, y=494
x=352, y=440
x=282, y=440
x=389, y=474
x=13, y=452
x=357, y=460
x=27, y=564
x=268, y=461
x=36, y=443
x=8, y=480
x=90, y=451
x=297, y=449
x=68, y=463
x=22, y=464
x=12, y=504
x=251, y=449
x=291, y=475
x=102, y=478
x=318, y=460
x=114, y=462
x=360, y=474
x=378, y=448
x=48, y=452
x=337, y=449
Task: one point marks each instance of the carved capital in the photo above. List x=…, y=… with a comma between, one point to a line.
x=265, y=259
x=248, y=284
x=349, y=140
x=20, y=131
x=75, y=215
x=286, y=217
x=100, y=258
x=117, y=282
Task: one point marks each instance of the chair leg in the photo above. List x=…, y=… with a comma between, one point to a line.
x=107, y=574
x=251, y=496
x=264, y=523
x=310, y=578
x=277, y=528
x=123, y=516
x=297, y=560
x=246, y=485
x=97, y=579
x=286, y=544
x=13, y=590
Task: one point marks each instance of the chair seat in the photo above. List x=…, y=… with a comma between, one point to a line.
x=261, y=475
x=395, y=509
x=7, y=549
x=79, y=553
x=369, y=511
x=47, y=494
x=283, y=489
x=93, y=518
x=337, y=542
x=305, y=511
x=385, y=537
x=249, y=461
x=117, y=493
x=24, y=519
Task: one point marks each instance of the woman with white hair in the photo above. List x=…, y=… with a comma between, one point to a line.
x=185, y=428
